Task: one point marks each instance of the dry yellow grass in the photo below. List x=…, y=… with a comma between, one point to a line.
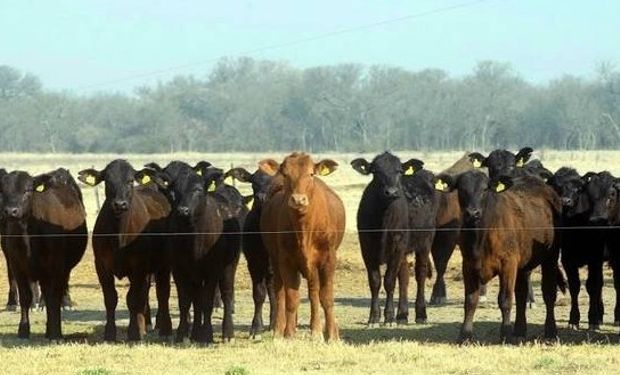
x=427, y=348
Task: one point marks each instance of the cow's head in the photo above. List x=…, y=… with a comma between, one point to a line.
x=602, y=195
x=260, y=182
x=387, y=171
x=120, y=178
x=190, y=190
x=473, y=186
x=16, y=191
x=298, y=172
x=501, y=162
x=570, y=187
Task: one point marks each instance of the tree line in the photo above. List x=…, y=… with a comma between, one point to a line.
x=252, y=105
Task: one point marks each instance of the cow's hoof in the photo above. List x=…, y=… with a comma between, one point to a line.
x=389, y=324
x=372, y=325
x=594, y=327
x=402, y=321
x=256, y=337
x=573, y=326
x=438, y=301
x=228, y=340
x=420, y=320
x=11, y=307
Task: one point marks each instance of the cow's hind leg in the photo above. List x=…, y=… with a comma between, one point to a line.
x=521, y=296
x=550, y=292
x=443, y=247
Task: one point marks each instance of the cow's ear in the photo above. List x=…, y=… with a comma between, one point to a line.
x=477, y=160
x=412, y=166
x=523, y=156
x=154, y=166
x=325, y=167
x=247, y=200
x=269, y=166
x=588, y=176
x=444, y=183
x=201, y=167
x=90, y=176
x=148, y=175
x=41, y=182
x=362, y=166
x=240, y=174
x=213, y=178
x=501, y=184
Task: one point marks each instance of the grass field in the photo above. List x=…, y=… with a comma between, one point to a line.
x=425, y=348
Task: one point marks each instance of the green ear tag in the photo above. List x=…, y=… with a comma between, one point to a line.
x=410, y=171
x=500, y=187
x=40, y=188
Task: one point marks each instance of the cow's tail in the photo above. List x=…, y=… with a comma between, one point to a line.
x=561, y=280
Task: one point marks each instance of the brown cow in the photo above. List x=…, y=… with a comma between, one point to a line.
x=303, y=223
x=512, y=224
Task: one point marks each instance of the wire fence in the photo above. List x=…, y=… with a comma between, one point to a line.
x=346, y=231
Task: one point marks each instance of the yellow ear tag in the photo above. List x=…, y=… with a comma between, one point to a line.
x=249, y=203
x=440, y=185
x=500, y=187
x=145, y=179
x=476, y=163
x=409, y=171
x=165, y=183
x=324, y=171
x=228, y=180
x=91, y=180
x=520, y=163
x=199, y=172
x=40, y=188
x=211, y=186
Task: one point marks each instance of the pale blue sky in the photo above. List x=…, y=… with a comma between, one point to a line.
x=72, y=44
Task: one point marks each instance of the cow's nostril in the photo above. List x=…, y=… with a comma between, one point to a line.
x=183, y=210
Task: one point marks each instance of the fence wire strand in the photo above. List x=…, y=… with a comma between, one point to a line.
x=346, y=231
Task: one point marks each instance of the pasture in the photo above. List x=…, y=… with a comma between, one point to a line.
x=422, y=348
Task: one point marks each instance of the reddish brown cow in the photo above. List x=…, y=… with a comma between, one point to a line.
x=303, y=224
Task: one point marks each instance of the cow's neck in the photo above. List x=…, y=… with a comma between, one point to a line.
x=132, y=222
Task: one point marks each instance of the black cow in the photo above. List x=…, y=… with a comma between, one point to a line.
x=254, y=249
x=399, y=198
x=202, y=256
x=45, y=236
x=127, y=242
x=584, y=201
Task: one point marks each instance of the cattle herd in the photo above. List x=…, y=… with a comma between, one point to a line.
x=507, y=214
